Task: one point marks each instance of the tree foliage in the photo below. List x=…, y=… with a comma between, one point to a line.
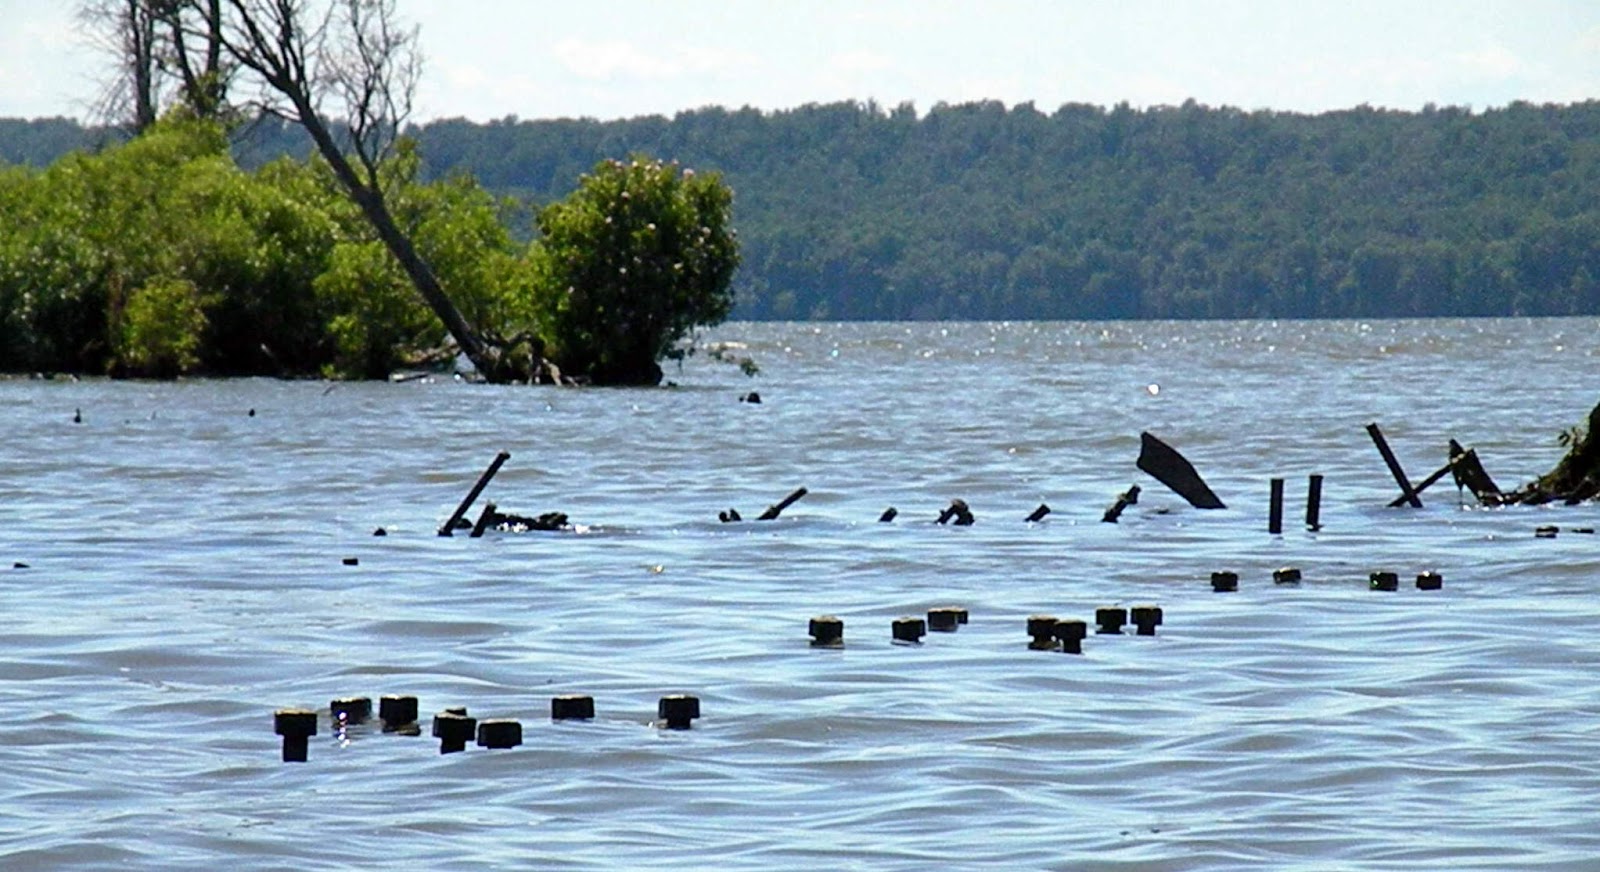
x=271, y=271
x=629, y=264
x=979, y=211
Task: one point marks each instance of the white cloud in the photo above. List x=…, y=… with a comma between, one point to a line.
x=853, y=63
x=1492, y=62
x=611, y=59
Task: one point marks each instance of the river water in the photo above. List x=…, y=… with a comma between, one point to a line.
x=186, y=575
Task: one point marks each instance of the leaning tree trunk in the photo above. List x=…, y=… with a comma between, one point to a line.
x=376, y=209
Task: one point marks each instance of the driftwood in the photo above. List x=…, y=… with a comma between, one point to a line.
x=1166, y=465
x=1038, y=514
x=450, y=526
x=1575, y=478
x=888, y=515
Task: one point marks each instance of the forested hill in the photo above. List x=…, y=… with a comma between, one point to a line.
x=976, y=211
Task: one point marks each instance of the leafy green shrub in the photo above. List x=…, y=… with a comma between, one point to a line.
x=632, y=262
x=160, y=329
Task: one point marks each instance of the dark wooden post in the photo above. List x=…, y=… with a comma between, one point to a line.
x=1275, y=509
x=772, y=512
x=1314, y=503
x=483, y=481
x=1407, y=492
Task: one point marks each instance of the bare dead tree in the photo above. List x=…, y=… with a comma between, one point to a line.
x=193, y=47
x=161, y=52
x=125, y=30
x=352, y=61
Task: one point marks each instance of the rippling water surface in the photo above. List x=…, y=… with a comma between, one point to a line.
x=185, y=576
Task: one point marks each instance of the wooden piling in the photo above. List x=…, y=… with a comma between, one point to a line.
x=1275, y=509
x=1314, y=503
x=483, y=481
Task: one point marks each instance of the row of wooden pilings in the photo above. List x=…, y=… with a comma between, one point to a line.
x=452, y=726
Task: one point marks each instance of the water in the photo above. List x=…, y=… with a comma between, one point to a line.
x=185, y=579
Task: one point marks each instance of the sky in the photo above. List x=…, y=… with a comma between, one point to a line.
x=534, y=59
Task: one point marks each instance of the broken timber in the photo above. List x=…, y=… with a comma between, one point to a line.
x=772, y=512
x=1470, y=474
x=483, y=481
x=1128, y=498
x=960, y=511
x=1408, y=494
x=1166, y=465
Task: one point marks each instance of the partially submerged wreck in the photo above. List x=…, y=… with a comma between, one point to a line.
x=1575, y=478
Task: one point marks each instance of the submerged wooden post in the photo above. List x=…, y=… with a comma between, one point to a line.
x=1314, y=503
x=1423, y=485
x=483, y=481
x=485, y=518
x=1127, y=498
x=1275, y=509
x=772, y=512
x=1407, y=493
x=1038, y=514
x=958, y=510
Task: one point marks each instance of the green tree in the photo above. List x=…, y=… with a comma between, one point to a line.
x=636, y=259
x=161, y=328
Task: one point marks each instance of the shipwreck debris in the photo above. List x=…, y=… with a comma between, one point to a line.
x=1576, y=477
x=1127, y=498
x=957, y=511
x=1408, y=494
x=483, y=481
x=1163, y=462
x=772, y=512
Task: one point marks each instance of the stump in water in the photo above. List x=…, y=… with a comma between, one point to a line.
x=1576, y=478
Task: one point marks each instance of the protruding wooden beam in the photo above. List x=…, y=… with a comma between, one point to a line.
x=483, y=481
x=1167, y=466
x=1407, y=492
x=1127, y=498
x=772, y=512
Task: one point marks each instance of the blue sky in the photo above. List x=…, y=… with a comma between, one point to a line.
x=618, y=58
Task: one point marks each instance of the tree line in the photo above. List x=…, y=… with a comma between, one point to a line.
x=979, y=211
